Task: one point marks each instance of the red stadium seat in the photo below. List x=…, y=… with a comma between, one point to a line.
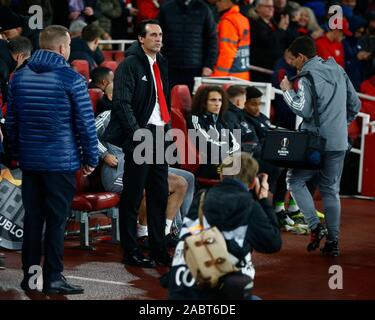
x=181, y=98
x=108, y=55
x=113, y=55
x=91, y=199
x=110, y=64
x=95, y=95
x=119, y=56
x=82, y=66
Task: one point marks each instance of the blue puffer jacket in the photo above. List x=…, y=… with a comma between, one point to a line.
x=50, y=120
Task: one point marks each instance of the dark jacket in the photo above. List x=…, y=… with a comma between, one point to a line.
x=189, y=34
x=246, y=225
x=267, y=44
x=50, y=121
x=235, y=119
x=134, y=96
x=284, y=116
x=219, y=141
x=260, y=123
x=7, y=64
x=80, y=50
x=353, y=66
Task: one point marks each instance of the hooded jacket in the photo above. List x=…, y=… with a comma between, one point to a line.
x=338, y=103
x=134, y=96
x=50, y=120
x=246, y=224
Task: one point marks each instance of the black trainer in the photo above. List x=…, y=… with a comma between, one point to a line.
x=331, y=248
x=316, y=236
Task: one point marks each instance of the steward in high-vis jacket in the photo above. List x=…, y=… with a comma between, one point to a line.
x=234, y=42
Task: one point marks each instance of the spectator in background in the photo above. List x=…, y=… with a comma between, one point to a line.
x=51, y=131
x=308, y=24
x=148, y=9
x=269, y=40
x=348, y=7
x=190, y=40
x=84, y=10
x=282, y=8
x=109, y=9
x=330, y=44
x=354, y=54
x=123, y=26
x=86, y=47
x=234, y=42
x=284, y=117
x=13, y=26
x=215, y=13
x=7, y=65
x=20, y=49
x=76, y=27
x=367, y=43
x=46, y=5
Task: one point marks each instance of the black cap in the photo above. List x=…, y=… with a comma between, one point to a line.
x=9, y=20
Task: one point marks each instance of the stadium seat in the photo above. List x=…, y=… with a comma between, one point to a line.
x=119, y=56
x=181, y=98
x=91, y=199
x=113, y=55
x=82, y=66
x=110, y=64
x=95, y=95
x=108, y=55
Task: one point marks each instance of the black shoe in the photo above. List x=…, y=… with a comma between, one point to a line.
x=143, y=243
x=331, y=248
x=316, y=236
x=163, y=259
x=172, y=240
x=61, y=287
x=138, y=259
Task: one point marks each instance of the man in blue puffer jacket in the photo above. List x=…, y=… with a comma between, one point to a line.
x=51, y=129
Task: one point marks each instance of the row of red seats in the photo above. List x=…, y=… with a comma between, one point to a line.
x=82, y=67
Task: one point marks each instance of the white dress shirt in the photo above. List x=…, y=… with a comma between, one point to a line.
x=155, y=118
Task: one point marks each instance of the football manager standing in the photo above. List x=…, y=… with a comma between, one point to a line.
x=338, y=105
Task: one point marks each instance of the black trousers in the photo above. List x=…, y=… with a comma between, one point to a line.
x=47, y=198
x=153, y=178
